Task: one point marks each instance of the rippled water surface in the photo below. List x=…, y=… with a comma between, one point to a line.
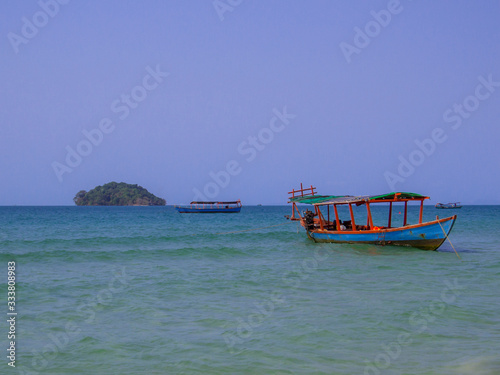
x=145, y=290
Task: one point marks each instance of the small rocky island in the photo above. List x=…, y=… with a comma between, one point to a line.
x=117, y=194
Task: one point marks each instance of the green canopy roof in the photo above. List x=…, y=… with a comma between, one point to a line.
x=313, y=199
x=401, y=195
x=344, y=199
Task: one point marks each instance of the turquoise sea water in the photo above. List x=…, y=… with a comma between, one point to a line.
x=145, y=290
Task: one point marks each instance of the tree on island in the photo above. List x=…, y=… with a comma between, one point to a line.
x=117, y=194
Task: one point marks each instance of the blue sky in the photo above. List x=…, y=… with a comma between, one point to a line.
x=246, y=99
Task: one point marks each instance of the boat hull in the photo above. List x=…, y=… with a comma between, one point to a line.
x=188, y=210
x=425, y=236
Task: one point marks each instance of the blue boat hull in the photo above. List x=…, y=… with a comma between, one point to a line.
x=426, y=236
x=189, y=210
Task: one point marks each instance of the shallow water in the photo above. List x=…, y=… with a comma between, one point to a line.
x=130, y=290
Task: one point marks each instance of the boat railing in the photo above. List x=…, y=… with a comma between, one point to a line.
x=310, y=191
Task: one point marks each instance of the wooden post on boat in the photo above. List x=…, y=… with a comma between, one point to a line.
x=328, y=209
x=370, y=219
x=353, y=223
x=320, y=217
x=406, y=213
x=421, y=211
x=390, y=215
x=336, y=216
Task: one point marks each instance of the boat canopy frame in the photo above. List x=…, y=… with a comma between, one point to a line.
x=308, y=196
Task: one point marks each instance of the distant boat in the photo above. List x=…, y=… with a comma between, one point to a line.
x=448, y=205
x=210, y=207
x=323, y=225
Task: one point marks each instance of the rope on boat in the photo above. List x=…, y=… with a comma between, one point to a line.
x=449, y=240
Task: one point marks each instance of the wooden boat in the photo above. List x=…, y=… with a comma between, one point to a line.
x=210, y=207
x=324, y=224
x=448, y=205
